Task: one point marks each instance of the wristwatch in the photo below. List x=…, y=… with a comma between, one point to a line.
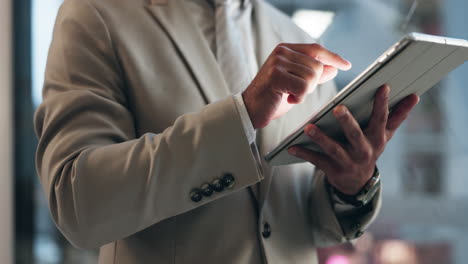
x=364, y=195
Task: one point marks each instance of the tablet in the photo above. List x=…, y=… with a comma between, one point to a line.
x=411, y=66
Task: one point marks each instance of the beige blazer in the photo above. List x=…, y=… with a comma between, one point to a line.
x=136, y=115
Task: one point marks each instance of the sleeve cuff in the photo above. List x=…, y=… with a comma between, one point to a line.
x=331, y=227
x=250, y=132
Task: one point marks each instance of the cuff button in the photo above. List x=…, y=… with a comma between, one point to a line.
x=196, y=195
x=359, y=233
x=228, y=180
x=206, y=190
x=355, y=227
x=266, y=230
x=217, y=185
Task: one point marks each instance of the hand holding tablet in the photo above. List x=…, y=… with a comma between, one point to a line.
x=411, y=66
x=350, y=165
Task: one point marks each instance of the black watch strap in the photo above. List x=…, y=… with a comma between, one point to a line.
x=364, y=195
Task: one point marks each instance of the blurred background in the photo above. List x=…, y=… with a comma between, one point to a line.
x=425, y=207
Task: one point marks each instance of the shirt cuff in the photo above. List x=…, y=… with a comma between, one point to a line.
x=339, y=205
x=250, y=132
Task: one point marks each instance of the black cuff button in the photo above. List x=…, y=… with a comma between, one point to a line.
x=358, y=234
x=196, y=195
x=228, y=180
x=266, y=230
x=217, y=185
x=355, y=227
x=206, y=190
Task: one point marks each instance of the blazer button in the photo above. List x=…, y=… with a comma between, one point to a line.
x=358, y=234
x=355, y=227
x=196, y=195
x=217, y=185
x=228, y=180
x=206, y=190
x=266, y=230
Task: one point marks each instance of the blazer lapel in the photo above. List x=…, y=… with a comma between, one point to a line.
x=187, y=37
x=268, y=34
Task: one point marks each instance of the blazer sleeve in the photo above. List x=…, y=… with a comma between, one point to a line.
x=331, y=228
x=102, y=182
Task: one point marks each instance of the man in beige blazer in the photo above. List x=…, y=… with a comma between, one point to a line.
x=143, y=149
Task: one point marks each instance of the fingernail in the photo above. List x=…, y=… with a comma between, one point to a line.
x=292, y=151
x=340, y=110
x=311, y=131
x=386, y=92
x=347, y=64
x=350, y=65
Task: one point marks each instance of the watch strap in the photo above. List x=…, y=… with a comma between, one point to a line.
x=364, y=196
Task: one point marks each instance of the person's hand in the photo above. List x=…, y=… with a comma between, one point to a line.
x=290, y=72
x=349, y=166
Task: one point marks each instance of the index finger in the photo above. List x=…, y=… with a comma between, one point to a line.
x=321, y=54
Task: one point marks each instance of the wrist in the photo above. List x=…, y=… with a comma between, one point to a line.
x=261, y=105
x=250, y=107
x=364, y=196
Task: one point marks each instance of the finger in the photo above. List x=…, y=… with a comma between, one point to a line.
x=295, y=86
x=308, y=67
x=319, y=160
x=321, y=54
x=309, y=74
x=360, y=147
x=400, y=112
x=329, y=146
x=329, y=73
x=375, y=131
x=296, y=57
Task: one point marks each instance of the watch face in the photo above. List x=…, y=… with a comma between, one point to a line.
x=369, y=190
x=373, y=185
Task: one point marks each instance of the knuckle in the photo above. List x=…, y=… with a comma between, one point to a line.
x=276, y=70
x=316, y=46
x=281, y=49
x=366, y=154
x=384, y=117
x=277, y=59
x=380, y=144
x=333, y=150
x=355, y=133
x=316, y=65
x=311, y=75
